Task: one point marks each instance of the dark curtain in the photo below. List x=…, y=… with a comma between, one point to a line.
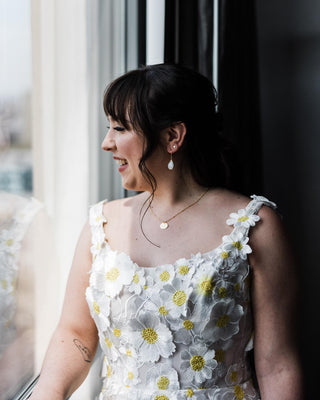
x=189, y=41
x=189, y=34
x=238, y=92
x=142, y=32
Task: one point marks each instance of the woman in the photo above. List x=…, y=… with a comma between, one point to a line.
x=175, y=294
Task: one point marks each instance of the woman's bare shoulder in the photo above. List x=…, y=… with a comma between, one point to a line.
x=227, y=201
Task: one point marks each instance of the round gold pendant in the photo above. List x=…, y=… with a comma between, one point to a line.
x=164, y=225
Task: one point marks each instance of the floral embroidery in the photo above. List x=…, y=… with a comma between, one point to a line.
x=172, y=331
x=197, y=363
x=110, y=276
x=175, y=297
x=237, y=244
x=242, y=218
x=150, y=337
x=224, y=321
x=162, y=377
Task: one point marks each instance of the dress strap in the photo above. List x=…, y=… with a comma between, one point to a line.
x=96, y=222
x=247, y=217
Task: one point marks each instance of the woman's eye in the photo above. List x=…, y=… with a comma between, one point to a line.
x=119, y=128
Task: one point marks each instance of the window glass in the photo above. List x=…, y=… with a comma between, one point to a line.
x=20, y=215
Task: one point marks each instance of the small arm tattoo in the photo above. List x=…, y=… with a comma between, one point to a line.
x=86, y=354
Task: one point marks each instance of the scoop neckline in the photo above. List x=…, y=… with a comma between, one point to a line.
x=187, y=259
x=206, y=254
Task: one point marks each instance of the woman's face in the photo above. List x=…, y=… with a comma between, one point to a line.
x=127, y=148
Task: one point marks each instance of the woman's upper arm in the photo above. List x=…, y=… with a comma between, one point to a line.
x=274, y=302
x=75, y=312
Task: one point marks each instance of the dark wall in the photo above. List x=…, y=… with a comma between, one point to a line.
x=289, y=67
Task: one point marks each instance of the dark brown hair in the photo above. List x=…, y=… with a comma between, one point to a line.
x=155, y=97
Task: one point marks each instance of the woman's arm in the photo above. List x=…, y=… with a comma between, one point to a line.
x=74, y=342
x=275, y=308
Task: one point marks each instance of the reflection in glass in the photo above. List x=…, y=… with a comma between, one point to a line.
x=17, y=215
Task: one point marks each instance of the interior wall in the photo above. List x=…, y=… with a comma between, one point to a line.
x=289, y=58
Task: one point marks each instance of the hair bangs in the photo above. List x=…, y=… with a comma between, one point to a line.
x=120, y=100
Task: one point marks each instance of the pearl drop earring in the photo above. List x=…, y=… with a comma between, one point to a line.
x=171, y=163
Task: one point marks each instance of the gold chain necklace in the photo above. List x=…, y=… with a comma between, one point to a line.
x=165, y=223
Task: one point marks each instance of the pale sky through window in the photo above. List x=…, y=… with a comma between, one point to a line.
x=15, y=47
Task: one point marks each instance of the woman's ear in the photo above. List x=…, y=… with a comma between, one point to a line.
x=174, y=136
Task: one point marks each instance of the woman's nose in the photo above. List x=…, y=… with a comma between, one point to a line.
x=108, y=143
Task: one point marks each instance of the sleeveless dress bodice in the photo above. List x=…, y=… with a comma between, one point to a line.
x=179, y=331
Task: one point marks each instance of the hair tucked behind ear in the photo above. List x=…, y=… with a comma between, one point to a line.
x=153, y=98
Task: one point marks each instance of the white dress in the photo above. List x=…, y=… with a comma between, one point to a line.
x=179, y=331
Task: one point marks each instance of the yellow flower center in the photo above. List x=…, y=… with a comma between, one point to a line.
x=96, y=307
x=237, y=287
x=188, y=324
x=190, y=393
x=129, y=353
x=206, y=287
x=9, y=242
x=222, y=292
x=108, y=371
x=237, y=245
x=197, y=363
x=234, y=376
x=150, y=335
x=163, y=383
x=224, y=255
x=162, y=397
x=117, y=332
x=183, y=270
x=239, y=393
x=113, y=274
x=136, y=278
x=223, y=321
x=163, y=311
x=219, y=355
x=130, y=375
x=179, y=297
x=98, y=218
x=243, y=218
x=165, y=276
x=108, y=342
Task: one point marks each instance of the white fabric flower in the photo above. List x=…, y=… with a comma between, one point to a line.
x=237, y=244
x=128, y=351
x=224, y=256
x=163, y=275
x=175, y=297
x=111, y=275
x=204, y=283
x=156, y=305
x=197, y=363
x=96, y=217
x=98, y=240
x=243, y=218
x=236, y=374
x=186, y=329
x=184, y=269
x=138, y=281
x=130, y=374
x=108, y=346
x=150, y=337
x=243, y=391
x=99, y=305
x=162, y=377
x=224, y=321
